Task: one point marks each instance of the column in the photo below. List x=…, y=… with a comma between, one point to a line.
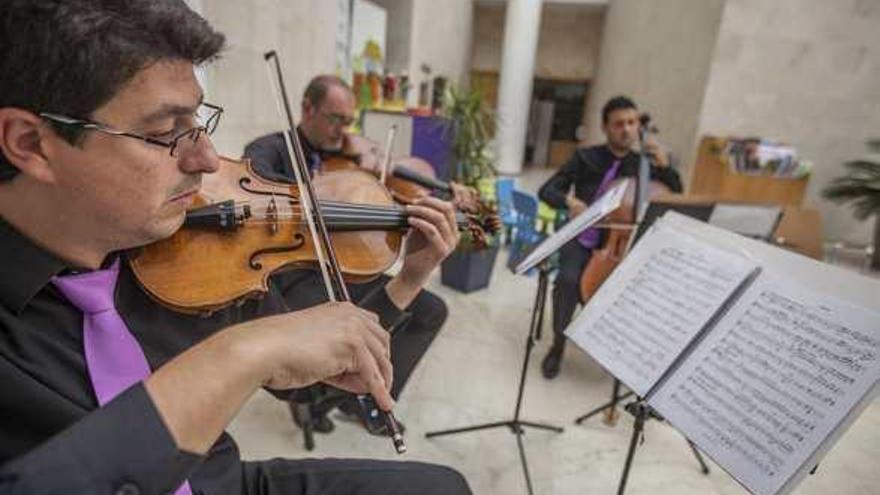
x=521, y=28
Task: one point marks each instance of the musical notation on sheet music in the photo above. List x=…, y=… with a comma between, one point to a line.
x=650, y=309
x=771, y=381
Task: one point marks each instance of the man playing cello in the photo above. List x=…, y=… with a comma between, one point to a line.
x=589, y=172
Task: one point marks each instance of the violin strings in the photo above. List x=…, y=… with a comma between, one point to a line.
x=291, y=213
x=338, y=214
x=339, y=218
x=334, y=211
x=342, y=204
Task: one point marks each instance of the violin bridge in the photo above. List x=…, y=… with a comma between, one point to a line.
x=272, y=216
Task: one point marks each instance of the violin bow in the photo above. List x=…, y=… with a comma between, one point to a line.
x=332, y=274
x=308, y=199
x=386, y=161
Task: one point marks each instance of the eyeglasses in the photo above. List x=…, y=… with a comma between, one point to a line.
x=336, y=119
x=207, y=116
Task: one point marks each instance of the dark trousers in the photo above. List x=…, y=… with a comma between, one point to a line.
x=566, y=288
x=304, y=289
x=350, y=476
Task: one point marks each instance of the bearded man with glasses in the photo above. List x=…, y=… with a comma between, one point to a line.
x=327, y=110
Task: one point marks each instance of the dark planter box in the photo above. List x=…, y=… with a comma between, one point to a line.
x=467, y=271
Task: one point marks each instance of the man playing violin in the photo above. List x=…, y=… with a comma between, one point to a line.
x=589, y=172
x=327, y=110
x=103, y=143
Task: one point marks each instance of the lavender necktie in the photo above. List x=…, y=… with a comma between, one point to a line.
x=589, y=238
x=114, y=359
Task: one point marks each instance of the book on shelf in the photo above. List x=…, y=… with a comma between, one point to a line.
x=755, y=156
x=743, y=347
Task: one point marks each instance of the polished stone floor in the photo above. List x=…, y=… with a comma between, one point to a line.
x=470, y=376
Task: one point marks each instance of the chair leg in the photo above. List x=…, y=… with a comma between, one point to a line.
x=305, y=415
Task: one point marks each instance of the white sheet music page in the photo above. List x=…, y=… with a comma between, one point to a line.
x=609, y=202
x=654, y=304
x=769, y=385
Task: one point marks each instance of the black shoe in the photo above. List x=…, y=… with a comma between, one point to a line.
x=552, y=362
x=368, y=415
x=320, y=422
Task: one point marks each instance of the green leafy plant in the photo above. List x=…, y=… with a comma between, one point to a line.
x=860, y=187
x=469, y=125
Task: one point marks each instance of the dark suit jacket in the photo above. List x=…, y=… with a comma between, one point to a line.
x=585, y=170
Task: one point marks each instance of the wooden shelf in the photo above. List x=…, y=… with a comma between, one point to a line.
x=712, y=176
x=799, y=229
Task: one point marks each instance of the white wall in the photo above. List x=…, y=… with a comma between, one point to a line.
x=441, y=38
x=568, y=46
x=658, y=53
x=806, y=72
x=399, y=35
x=302, y=31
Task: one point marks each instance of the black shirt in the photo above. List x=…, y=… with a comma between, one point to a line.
x=46, y=394
x=268, y=155
x=585, y=171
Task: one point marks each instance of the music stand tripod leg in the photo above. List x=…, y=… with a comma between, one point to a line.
x=640, y=411
x=611, y=404
x=704, y=468
x=522, y=458
x=516, y=425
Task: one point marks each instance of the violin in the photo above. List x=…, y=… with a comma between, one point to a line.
x=242, y=228
x=364, y=151
x=409, y=179
x=412, y=178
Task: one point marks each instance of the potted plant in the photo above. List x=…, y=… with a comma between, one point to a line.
x=861, y=187
x=469, y=125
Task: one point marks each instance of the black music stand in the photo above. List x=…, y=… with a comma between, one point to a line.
x=539, y=258
x=643, y=412
x=516, y=424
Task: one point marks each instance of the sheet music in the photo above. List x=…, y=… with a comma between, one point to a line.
x=763, y=391
x=653, y=305
x=609, y=202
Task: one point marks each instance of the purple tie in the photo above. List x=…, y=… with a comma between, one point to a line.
x=114, y=358
x=589, y=238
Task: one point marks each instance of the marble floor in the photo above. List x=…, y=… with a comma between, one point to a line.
x=470, y=376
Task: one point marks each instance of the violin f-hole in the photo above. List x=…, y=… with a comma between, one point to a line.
x=298, y=241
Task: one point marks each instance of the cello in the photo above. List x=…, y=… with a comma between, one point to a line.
x=617, y=241
x=639, y=192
